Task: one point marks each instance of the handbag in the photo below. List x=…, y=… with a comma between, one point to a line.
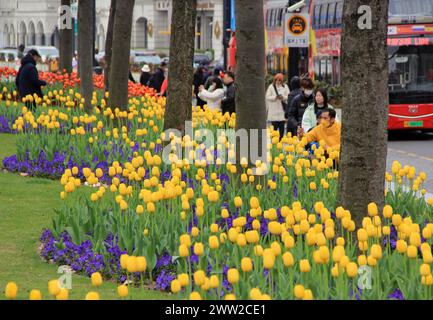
x=283, y=104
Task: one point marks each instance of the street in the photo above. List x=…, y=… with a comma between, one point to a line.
x=414, y=149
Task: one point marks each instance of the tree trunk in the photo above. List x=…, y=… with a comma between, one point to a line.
x=364, y=69
x=109, y=44
x=250, y=71
x=119, y=68
x=85, y=51
x=66, y=39
x=181, y=74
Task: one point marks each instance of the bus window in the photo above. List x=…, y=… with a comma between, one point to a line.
x=323, y=16
x=274, y=18
x=316, y=67
x=329, y=70
x=271, y=18
x=339, y=13
x=319, y=22
x=414, y=8
x=280, y=18
x=316, y=16
x=322, y=70
x=331, y=15
x=336, y=73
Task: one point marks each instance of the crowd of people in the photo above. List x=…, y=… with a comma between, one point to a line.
x=297, y=109
x=302, y=111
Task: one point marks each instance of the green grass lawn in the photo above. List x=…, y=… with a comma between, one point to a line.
x=26, y=208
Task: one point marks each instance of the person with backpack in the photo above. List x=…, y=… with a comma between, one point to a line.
x=276, y=99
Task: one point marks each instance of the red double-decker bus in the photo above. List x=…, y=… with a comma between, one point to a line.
x=410, y=49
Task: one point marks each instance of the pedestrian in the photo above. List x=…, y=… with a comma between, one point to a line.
x=276, y=99
x=199, y=80
x=158, y=77
x=75, y=63
x=27, y=79
x=312, y=113
x=130, y=76
x=228, y=103
x=21, y=49
x=164, y=88
x=295, y=90
x=213, y=95
x=145, y=75
x=328, y=131
x=54, y=65
x=215, y=74
x=299, y=104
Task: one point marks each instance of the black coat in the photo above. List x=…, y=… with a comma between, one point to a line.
x=228, y=104
x=131, y=77
x=144, y=78
x=27, y=79
x=199, y=80
x=296, y=111
x=157, y=79
x=293, y=94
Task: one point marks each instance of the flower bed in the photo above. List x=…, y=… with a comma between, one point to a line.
x=215, y=230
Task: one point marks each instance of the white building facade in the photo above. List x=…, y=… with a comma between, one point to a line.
x=35, y=22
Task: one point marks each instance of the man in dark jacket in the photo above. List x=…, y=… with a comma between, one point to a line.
x=228, y=103
x=216, y=74
x=199, y=80
x=295, y=90
x=299, y=104
x=158, y=77
x=27, y=79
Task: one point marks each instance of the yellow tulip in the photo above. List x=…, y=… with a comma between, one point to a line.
x=96, y=279
x=233, y=276
x=175, y=286
x=195, y=296
x=63, y=294
x=268, y=260
x=35, y=295
x=54, y=287
x=288, y=259
x=246, y=264
x=183, y=251
x=198, y=248
x=92, y=296
x=183, y=279
x=11, y=290
x=141, y=264
x=299, y=291
x=352, y=270
x=199, y=277
x=304, y=266
x=255, y=294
